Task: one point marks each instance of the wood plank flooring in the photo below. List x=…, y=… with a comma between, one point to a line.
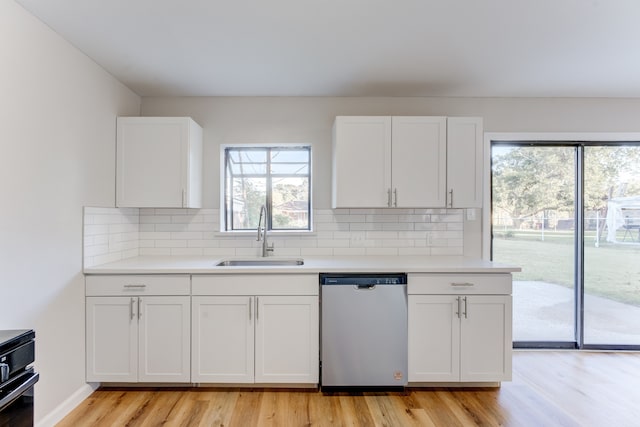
x=549, y=388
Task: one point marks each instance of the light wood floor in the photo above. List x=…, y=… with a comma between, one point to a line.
x=549, y=388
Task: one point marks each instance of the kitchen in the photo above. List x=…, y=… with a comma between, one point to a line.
x=59, y=109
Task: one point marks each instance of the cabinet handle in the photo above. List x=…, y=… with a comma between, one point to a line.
x=451, y=198
x=465, y=284
x=257, y=307
x=458, y=312
x=395, y=197
x=135, y=286
x=250, y=306
x=183, y=197
x=389, y=197
x=131, y=308
x=465, y=307
x=139, y=309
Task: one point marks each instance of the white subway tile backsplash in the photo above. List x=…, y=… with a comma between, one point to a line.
x=155, y=219
x=397, y=226
x=218, y=252
x=349, y=251
x=189, y=235
x=366, y=226
x=172, y=243
x=381, y=251
x=382, y=218
x=155, y=251
x=186, y=251
x=111, y=234
x=204, y=243
x=447, y=251
x=332, y=226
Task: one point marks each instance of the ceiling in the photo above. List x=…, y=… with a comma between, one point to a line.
x=488, y=48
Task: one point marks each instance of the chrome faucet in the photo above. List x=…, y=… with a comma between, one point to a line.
x=265, y=247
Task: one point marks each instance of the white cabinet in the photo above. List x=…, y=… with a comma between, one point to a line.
x=388, y=161
x=242, y=335
x=361, y=175
x=463, y=336
x=159, y=162
x=399, y=161
x=136, y=337
x=222, y=339
x=464, y=162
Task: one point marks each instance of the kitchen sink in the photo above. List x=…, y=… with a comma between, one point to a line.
x=260, y=262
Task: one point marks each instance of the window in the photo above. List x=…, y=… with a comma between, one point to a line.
x=277, y=177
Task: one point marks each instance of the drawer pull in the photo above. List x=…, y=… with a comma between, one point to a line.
x=134, y=286
x=462, y=284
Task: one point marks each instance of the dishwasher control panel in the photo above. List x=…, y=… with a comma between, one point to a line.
x=363, y=279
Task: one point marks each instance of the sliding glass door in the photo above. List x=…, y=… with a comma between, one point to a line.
x=569, y=215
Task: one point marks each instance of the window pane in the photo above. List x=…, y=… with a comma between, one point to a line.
x=290, y=203
x=248, y=195
x=290, y=162
x=612, y=245
x=247, y=162
x=533, y=192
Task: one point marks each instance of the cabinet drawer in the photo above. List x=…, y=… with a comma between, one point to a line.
x=137, y=285
x=256, y=284
x=467, y=284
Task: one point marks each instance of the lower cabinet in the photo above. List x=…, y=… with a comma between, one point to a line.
x=138, y=339
x=460, y=337
x=138, y=328
x=265, y=339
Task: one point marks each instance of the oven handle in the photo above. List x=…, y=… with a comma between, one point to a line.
x=19, y=391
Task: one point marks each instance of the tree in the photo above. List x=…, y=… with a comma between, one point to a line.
x=528, y=180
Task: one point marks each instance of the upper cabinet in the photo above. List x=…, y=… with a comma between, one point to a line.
x=407, y=162
x=464, y=162
x=159, y=162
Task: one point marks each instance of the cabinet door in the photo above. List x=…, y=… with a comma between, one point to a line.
x=486, y=342
x=164, y=326
x=112, y=339
x=464, y=162
x=361, y=161
x=434, y=338
x=419, y=161
x=222, y=339
x=158, y=159
x=287, y=339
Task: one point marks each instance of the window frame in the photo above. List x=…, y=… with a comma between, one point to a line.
x=226, y=224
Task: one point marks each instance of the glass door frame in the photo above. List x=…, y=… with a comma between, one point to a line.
x=579, y=141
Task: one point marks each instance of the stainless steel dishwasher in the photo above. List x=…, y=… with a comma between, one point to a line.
x=364, y=330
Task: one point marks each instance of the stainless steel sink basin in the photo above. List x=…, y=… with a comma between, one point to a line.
x=259, y=262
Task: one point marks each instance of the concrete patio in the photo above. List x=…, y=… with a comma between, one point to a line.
x=545, y=312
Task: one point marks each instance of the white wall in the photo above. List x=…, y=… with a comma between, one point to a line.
x=309, y=120
x=57, y=144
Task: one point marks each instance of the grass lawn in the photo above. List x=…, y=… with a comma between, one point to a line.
x=611, y=270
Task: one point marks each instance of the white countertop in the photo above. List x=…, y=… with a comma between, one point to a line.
x=312, y=265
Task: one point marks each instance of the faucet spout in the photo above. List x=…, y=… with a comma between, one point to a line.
x=262, y=232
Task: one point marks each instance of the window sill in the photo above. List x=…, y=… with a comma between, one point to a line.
x=272, y=233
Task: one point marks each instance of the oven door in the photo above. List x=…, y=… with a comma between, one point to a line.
x=16, y=400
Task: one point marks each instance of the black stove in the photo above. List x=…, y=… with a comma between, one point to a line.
x=17, y=377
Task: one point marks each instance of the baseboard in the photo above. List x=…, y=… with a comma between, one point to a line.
x=62, y=410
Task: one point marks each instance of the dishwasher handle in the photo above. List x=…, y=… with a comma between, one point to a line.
x=368, y=287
